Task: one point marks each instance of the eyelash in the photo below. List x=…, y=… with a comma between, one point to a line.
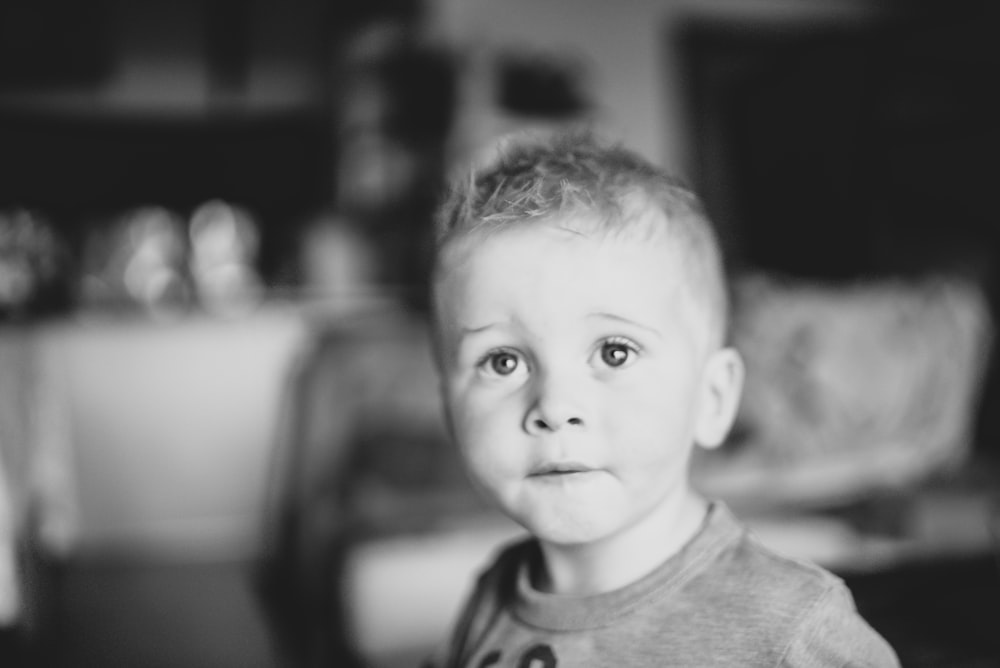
x=485, y=362
x=628, y=344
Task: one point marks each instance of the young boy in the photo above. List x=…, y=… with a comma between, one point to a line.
x=580, y=315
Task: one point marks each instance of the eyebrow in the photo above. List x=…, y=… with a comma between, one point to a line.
x=467, y=330
x=617, y=318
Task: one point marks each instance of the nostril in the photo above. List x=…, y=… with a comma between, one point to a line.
x=541, y=424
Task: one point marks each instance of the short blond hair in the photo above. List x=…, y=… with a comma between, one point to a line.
x=574, y=174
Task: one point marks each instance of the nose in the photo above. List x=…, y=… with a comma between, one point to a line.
x=555, y=404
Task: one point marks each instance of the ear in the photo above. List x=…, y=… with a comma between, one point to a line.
x=721, y=389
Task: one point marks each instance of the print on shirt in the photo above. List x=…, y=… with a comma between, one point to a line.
x=537, y=656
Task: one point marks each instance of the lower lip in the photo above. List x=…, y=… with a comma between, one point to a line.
x=562, y=476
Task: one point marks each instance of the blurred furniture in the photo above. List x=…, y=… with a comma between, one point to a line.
x=372, y=530
x=151, y=462
x=137, y=447
x=853, y=389
x=174, y=417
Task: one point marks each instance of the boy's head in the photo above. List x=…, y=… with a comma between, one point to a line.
x=579, y=313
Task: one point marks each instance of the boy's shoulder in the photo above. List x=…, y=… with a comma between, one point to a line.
x=726, y=591
x=750, y=575
x=768, y=572
x=725, y=559
x=801, y=611
x=726, y=553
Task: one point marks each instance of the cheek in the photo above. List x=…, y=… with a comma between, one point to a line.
x=484, y=428
x=653, y=418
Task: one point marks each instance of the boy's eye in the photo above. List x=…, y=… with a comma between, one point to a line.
x=616, y=353
x=502, y=362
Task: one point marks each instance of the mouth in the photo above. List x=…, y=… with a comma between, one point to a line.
x=561, y=469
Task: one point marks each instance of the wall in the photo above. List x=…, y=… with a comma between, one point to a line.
x=626, y=46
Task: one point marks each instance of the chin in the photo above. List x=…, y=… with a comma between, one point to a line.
x=568, y=529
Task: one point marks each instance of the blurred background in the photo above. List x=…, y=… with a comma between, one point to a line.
x=220, y=443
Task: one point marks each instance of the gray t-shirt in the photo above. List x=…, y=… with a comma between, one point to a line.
x=723, y=600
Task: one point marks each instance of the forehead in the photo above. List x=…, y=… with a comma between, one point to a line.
x=567, y=238
x=535, y=272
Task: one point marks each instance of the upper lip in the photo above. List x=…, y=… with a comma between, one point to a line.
x=549, y=468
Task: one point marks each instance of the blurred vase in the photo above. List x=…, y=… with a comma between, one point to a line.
x=33, y=265
x=139, y=262
x=224, y=243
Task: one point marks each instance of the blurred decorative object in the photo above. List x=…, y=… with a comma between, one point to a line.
x=140, y=261
x=32, y=263
x=337, y=260
x=224, y=245
x=521, y=88
x=374, y=170
x=394, y=109
x=362, y=455
x=850, y=390
x=542, y=84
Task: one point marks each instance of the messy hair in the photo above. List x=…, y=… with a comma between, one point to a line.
x=572, y=175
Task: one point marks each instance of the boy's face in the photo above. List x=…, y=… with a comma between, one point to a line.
x=574, y=377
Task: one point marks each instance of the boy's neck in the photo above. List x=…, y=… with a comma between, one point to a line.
x=624, y=558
